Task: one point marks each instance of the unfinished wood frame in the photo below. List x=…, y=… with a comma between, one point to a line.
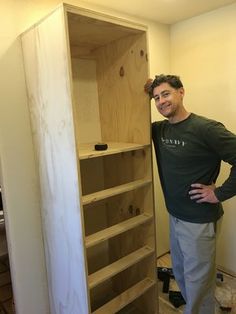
x=85, y=74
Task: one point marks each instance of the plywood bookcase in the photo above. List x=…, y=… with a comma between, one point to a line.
x=85, y=73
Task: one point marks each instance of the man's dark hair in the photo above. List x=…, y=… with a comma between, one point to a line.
x=173, y=80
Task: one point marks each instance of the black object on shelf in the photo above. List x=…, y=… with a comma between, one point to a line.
x=101, y=146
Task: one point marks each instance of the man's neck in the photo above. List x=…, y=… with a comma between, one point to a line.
x=179, y=117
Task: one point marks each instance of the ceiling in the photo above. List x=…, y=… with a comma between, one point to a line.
x=163, y=11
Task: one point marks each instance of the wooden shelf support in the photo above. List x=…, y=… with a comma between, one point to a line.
x=117, y=229
x=126, y=297
x=113, y=269
x=97, y=196
x=86, y=150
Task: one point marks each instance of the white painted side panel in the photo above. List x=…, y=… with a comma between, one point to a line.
x=48, y=84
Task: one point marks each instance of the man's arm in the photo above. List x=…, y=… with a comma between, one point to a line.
x=223, y=142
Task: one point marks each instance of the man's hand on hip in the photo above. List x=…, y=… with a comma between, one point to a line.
x=203, y=193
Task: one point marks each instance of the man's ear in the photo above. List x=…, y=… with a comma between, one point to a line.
x=148, y=87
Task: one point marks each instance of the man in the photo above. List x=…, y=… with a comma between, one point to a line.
x=189, y=149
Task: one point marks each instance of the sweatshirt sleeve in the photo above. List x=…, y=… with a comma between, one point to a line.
x=224, y=144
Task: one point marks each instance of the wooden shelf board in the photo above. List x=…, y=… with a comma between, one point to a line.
x=97, y=196
x=126, y=297
x=117, y=229
x=113, y=269
x=87, y=150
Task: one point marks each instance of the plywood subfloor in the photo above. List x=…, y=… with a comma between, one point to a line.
x=225, y=291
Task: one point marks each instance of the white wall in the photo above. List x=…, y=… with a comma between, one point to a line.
x=18, y=174
x=203, y=51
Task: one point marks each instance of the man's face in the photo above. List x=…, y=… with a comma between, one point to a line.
x=168, y=100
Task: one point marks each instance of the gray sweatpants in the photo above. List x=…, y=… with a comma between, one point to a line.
x=193, y=250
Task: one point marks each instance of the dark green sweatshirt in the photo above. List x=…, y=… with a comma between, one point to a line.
x=189, y=152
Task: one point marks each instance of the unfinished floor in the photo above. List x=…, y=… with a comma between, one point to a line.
x=225, y=292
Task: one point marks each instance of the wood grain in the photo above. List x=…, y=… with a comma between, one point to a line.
x=126, y=297
x=73, y=102
x=124, y=107
x=113, y=231
x=97, y=196
x=47, y=78
x=118, y=266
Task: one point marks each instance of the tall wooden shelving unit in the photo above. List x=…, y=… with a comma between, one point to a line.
x=85, y=73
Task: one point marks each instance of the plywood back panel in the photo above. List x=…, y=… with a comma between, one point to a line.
x=122, y=71
x=133, y=165
x=86, y=107
x=48, y=84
